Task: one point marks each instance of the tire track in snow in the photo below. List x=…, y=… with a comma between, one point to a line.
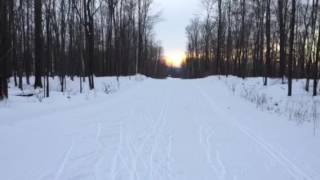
x=212, y=152
x=277, y=155
x=162, y=123
x=223, y=171
x=294, y=170
x=216, y=163
x=169, y=158
x=152, y=135
x=64, y=161
x=130, y=155
x=99, y=166
x=155, y=134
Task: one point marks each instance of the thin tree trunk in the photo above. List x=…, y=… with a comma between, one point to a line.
x=291, y=43
x=268, y=53
x=38, y=42
x=4, y=49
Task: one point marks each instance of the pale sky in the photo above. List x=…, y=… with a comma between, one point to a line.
x=176, y=15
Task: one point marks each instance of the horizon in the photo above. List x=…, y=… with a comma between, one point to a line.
x=175, y=16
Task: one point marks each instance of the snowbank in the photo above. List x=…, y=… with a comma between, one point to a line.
x=37, y=105
x=301, y=107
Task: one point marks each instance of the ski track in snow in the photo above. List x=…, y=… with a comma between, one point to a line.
x=130, y=154
x=64, y=162
x=295, y=171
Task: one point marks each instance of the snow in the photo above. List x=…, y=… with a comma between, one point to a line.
x=301, y=107
x=142, y=128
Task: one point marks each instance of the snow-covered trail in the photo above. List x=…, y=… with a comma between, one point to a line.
x=162, y=129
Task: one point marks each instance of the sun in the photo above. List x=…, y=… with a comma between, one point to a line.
x=175, y=58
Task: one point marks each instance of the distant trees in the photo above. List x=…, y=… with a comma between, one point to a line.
x=84, y=38
x=266, y=38
x=193, y=68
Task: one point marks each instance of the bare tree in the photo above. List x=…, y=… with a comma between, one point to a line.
x=268, y=37
x=38, y=42
x=69, y=38
x=4, y=48
x=282, y=13
x=259, y=41
x=291, y=42
x=316, y=67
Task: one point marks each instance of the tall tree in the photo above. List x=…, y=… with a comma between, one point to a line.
x=38, y=41
x=4, y=48
x=48, y=15
x=291, y=43
x=282, y=13
x=313, y=19
x=207, y=30
x=229, y=41
x=243, y=65
x=316, y=68
x=268, y=37
x=219, y=42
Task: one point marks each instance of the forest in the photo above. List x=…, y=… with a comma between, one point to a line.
x=256, y=38
x=93, y=38
x=76, y=38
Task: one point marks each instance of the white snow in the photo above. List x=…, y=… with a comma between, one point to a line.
x=147, y=129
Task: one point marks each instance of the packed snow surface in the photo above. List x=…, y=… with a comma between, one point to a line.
x=144, y=129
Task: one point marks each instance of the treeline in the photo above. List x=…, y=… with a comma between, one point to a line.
x=268, y=38
x=68, y=38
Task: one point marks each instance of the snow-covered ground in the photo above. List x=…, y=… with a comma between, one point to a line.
x=302, y=107
x=146, y=129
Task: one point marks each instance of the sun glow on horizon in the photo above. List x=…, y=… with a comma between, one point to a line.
x=175, y=59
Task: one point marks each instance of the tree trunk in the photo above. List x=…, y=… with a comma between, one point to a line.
x=282, y=27
x=4, y=48
x=38, y=43
x=291, y=44
x=268, y=52
x=316, y=68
